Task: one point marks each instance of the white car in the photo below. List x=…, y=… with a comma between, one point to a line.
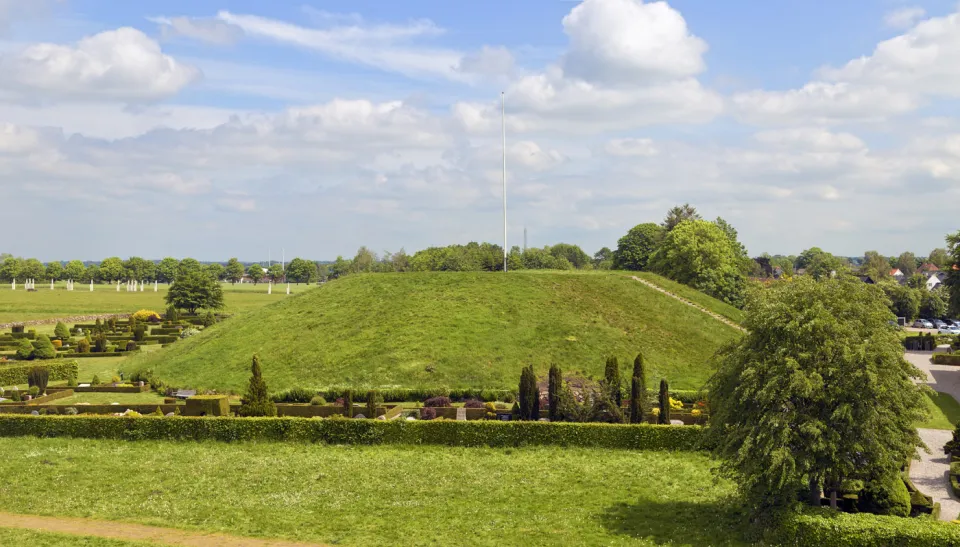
x=922, y=324
x=948, y=329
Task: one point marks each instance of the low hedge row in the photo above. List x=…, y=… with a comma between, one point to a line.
x=11, y=375
x=837, y=529
x=946, y=358
x=345, y=431
x=413, y=395
x=69, y=355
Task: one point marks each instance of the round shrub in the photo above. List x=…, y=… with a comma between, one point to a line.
x=438, y=402
x=294, y=395
x=428, y=413
x=508, y=398
x=318, y=401
x=146, y=315
x=886, y=496
x=473, y=403
x=24, y=349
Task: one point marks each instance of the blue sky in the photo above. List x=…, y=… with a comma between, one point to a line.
x=218, y=129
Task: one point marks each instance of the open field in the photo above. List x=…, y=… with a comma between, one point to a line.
x=944, y=412
x=450, y=329
x=693, y=295
x=20, y=305
x=363, y=495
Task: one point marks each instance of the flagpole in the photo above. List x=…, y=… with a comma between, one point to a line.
x=503, y=126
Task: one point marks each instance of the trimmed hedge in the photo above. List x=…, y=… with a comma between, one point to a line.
x=837, y=529
x=414, y=395
x=346, y=431
x=59, y=370
x=946, y=358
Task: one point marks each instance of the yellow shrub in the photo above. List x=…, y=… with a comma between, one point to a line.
x=675, y=404
x=57, y=343
x=655, y=411
x=696, y=413
x=147, y=315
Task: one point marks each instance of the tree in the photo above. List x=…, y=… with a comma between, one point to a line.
x=638, y=392
x=111, y=269
x=364, y=260
x=194, y=291
x=611, y=375
x=554, y=385
x=815, y=393
x=953, y=275
x=188, y=266
x=275, y=272
x=61, y=331
x=138, y=269
x=340, y=267
x=907, y=263
x=33, y=269
x=255, y=271
x=817, y=263
x=942, y=258
x=933, y=305
x=301, y=271
x=234, y=271
x=323, y=272
x=664, y=402
x=904, y=301
x=698, y=253
x=635, y=249
x=603, y=259
x=529, y=395
x=167, y=270
x=731, y=232
x=10, y=269
x=678, y=214
x=215, y=270
x=256, y=401
x=572, y=253
x=74, y=270
x=54, y=271
x=875, y=266
x=44, y=348
x=90, y=273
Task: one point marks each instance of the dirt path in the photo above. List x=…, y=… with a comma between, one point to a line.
x=716, y=316
x=931, y=475
x=137, y=532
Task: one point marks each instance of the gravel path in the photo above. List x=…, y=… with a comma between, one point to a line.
x=136, y=532
x=931, y=475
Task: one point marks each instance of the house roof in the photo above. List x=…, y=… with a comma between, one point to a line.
x=895, y=272
x=928, y=267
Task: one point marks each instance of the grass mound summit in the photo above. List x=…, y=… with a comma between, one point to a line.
x=449, y=329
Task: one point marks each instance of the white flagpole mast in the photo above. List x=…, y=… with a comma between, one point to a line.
x=503, y=125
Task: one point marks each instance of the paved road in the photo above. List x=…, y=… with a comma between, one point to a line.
x=931, y=475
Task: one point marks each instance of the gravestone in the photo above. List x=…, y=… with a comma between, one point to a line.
x=461, y=414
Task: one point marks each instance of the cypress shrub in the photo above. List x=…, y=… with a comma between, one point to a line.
x=83, y=345
x=61, y=331
x=638, y=391
x=24, y=349
x=373, y=399
x=44, y=348
x=256, y=402
x=39, y=377
x=555, y=382
x=953, y=445
x=348, y=403
x=529, y=395
x=100, y=342
x=171, y=314
x=612, y=376
x=664, y=417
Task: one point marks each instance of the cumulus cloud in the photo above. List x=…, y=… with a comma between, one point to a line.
x=904, y=17
x=489, y=61
x=631, y=147
x=120, y=65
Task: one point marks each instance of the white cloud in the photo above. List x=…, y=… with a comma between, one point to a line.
x=489, y=61
x=812, y=139
x=901, y=75
x=630, y=42
x=381, y=46
x=631, y=147
x=204, y=29
x=238, y=204
x=904, y=17
x=120, y=65
x=12, y=10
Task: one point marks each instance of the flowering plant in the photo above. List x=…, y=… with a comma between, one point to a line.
x=696, y=412
x=655, y=411
x=675, y=404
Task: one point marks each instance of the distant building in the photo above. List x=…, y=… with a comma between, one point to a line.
x=866, y=279
x=896, y=274
x=928, y=267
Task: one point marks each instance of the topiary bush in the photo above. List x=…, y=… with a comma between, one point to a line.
x=554, y=385
x=318, y=401
x=438, y=402
x=131, y=346
x=473, y=403
x=373, y=401
x=428, y=413
x=663, y=417
x=886, y=496
x=639, y=406
x=24, y=350
x=256, y=402
x=38, y=377
x=611, y=375
x=83, y=345
x=61, y=331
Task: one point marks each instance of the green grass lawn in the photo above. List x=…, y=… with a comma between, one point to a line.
x=20, y=305
x=695, y=296
x=450, y=329
x=363, y=495
x=108, y=398
x=13, y=536
x=944, y=412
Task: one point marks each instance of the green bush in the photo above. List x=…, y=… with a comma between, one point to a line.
x=373, y=401
x=886, y=496
x=664, y=402
x=255, y=401
x=318, y=401
x=827, y=527
x=413, y=395
x=294, y=395
x=61, y=331
x=946, y=358
x=39, y=377
x=554, y=385
x=612, y=381
x=83, y=345
x=24, y=350
x=18, y=373
x=638, y=392
x=44, y=348
x=443, y=432
x=95, y=381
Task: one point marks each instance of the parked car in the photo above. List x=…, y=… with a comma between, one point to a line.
x=922, y=324
x=948, y=329
x=938, y=323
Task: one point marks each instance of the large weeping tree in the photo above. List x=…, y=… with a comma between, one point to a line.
x=817, y=392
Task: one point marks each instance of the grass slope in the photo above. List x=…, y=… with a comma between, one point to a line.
x=20, y=305
x=944, y=412
x=450, y=329
x=370, y=496
x=693, y=295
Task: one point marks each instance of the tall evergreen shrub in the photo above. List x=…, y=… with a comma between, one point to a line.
x=664, y=417
x=638, y=391
x=529, y=395
x=39, y=377
x=256, y=401
x=348, y=403
x=373, y=400
x=554, y=385
x=612, y=376
x=61, y=331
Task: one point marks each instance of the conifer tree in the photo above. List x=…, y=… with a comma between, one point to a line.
x=638, y=391
x=664, y=417
x=256, y=401
x=555, y=383
x=529, y=395
x=612, y=376
x=348, y=403
x=61, y=331
x=373, y=400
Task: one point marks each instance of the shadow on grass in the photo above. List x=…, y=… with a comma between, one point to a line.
x=675, y=523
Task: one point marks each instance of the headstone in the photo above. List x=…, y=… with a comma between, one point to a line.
x=269, y=288
x=91, y=285
x=360, y=416
x=141, y=285
x=288, y=288
x=34, y=413
x=118, y=285
x=676, y=422
x=13, y=285
x=461, y=414
x=154, y=285
x=51, y=284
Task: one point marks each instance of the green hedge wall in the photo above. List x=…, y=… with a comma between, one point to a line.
x=59, y=370
x=421, y=394
x=345, y=431
x=946, y=358
x=829, y=527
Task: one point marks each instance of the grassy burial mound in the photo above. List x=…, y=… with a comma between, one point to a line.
x=450, y=329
